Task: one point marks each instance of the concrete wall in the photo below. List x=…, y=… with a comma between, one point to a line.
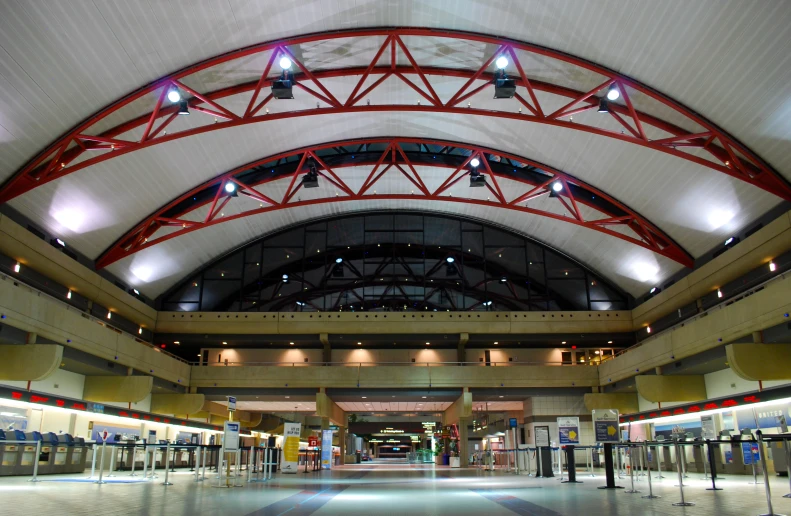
x=261, y=356
x=60, y=383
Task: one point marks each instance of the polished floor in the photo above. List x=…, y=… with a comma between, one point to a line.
x=388, y=489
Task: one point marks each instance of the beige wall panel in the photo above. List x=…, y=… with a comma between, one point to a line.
x=325, y=407
x=20, y=244
x=760, y=362
x=660, y=388
x=189, y=404
x=30, y=362
x=459, y=409
x=625, y=403
x=117, y=388
x=30, y=311
x=571, y=322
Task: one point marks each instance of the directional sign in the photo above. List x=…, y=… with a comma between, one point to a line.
x=605, y=425
x=569, y=430
x=231, y=403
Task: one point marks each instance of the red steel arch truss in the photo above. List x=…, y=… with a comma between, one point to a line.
x=205, y=205
x=698, y=140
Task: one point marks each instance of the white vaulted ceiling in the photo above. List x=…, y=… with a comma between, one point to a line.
x=63, y=61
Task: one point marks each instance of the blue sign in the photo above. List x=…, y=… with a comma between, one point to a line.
x=512, y=423
x=326, y=449
x=750, y=458
x=569, y=430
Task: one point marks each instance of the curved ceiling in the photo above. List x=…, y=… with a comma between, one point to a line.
x=696, y=174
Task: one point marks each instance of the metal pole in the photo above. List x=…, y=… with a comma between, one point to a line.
x=788, y=465
x=167, y=463
x=762, y=455
x=101, y=465
x=266, y=464
x=145, y=460
x=682, y=503
x=153, y=463
x=249, y=463
x=659, y=452
x=713, y=468
x=134, y=456
x=93, y=461
x=197, y=463
x=35, y=464
x=203, y=473
x=705, y=466
x=238, y=467
x=529, y=467
x=631, y=470
x=752, y=463
x=618, y=456
x=112, y=461
x=650, y=494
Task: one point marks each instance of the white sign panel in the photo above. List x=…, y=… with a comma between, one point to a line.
x=605, y=426
x=707, y=427
x=231, y=403
x=231, y=441
x=569, y=430
x=290, y=462
x=542, y=436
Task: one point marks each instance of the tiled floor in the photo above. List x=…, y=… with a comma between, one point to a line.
x=385, y=489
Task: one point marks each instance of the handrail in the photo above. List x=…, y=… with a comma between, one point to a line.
x=360, y=364
x=20, y=283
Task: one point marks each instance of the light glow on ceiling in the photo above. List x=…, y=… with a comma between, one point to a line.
x=70, y=219
x=717, y=218
x=645, y=272
x=143, y=273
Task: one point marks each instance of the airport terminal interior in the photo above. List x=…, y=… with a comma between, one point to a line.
x=419, y=257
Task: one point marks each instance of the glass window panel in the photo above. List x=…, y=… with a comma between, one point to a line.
x=219, y=294
x=472, y=243
x=228, y=268
x=252, y=271
x=535, y=253
x=441, y=231
x=496, y=237
x=378, y=237
x=253, y=253
x=602, y=292
x=315, y=243
x=379, y=222
x=346, y=232
x=570, y=294
x=409, y=222
x=415, y=238
x=318, y=226
x=293, y=237
x=559, y=267
x=279, y=261
x=470, y=226
x=189, y=292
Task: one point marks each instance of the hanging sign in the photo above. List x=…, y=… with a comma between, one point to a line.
x=290, y=461
x=326, y=449
x=569, y=430
x=605, y=425
x=231, y=403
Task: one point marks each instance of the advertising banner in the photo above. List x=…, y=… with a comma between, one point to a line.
x=605, y=425
x=326, y=449
x=569, y=430
x=290, y=461
x=231, y=442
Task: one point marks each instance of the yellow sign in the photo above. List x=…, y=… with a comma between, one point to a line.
x=611, y=430
x=573, y=435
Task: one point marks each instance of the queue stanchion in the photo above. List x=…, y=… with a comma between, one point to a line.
x=752, y=463
x=93, y=460
x=114, y=453
x=571, y=465
x=167, y=464
x=710, y=454
x=650, y=494
x=173, y=463
x=134, y=456
x=762, y=456
x=35, y=463
x=788, y=465
x=203, y=473
x=238, y=477
x=629, y=449
x=153, y=463
x=659, y=452
x=197, y=463
x=683, y=502
x=609, y=468
x=529, y=467
x=618, y=461
x=705, y=467
x=101, y=464
x=145, y=460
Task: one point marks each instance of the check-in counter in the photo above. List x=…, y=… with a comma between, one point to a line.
x=10, y=453
x=60, y=452
x=77, y=454
x=28, y=456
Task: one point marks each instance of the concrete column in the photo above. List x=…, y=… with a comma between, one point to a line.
x=326, y=354
x=464, y=452
x=758, y=337
x=31, y=338
x=325, y=423
x=461, y=351
x=342, y=443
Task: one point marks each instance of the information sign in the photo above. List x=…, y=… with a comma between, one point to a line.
x=605, y=425
x=231, y=442
x=542, y=436
x=569, y=430
x=231, y=403
x=291, y=431
x=326, y=449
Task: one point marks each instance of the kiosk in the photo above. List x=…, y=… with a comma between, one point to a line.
x=77, y=454
x=10, y=454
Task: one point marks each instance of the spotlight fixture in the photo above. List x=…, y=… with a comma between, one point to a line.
x=109, y=315
x=557, y=187
x=609, y=342
x=719, y=293
x=604, y=106
x=648, y=329
x=282, y=88
x=428, y=343
x=68, y=295
x=57, y=242
x=613, y=93
x=772, y=267
x=359, y=343
x=504, y=88
x=140, y=332
x=731, y=241
x=183, y=108
x=474, y=162
x=450, y=259
x=285, y=278
x=487, y=303
x=503, y=280
x=230, y=187
x=285, y=63
x=311, y=179
x=17, y=267
x=655, y=290
x=224, y=343
x=501, y=62
x=300, y=303
x=174, y=95
x=476, y=178
x=338, y=260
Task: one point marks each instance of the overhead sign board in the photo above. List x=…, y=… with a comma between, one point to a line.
x=231, y=403
x=569, y=430
x=605, y=425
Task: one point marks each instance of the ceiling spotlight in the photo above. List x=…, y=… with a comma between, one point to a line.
x=359, y=343
x=285, y=277
x=597, y=352
x=338, y=260
x=604, y=107
x=428, y=343
x=183, y=108
x=474, y=162
x=300, y=303
x=68, y=295
x=653, y=290
x=230, y=187
x=648, y=329
x=501, y=62
x=174, y=95
x=487, y=303
x=503, y=280
x=719, y=293
x=563, y=342
x=496, y=343
x=450, y=259
x=772, y=267
x=17, y=267
x=285, y=63
x=557, y=186
x=109, y=315
x=609, y=342
x=613, y=93
x=224, y=343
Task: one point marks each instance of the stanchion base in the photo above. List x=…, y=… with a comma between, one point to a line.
x=607, y=487
x=167, y=483
x=651, y=496
x=632, y=491
x=100, y=482
x=787, y=496
x=773, y=514
x=133, y=475
x=684, y=504
x=713, y=489
x=34, y=480
x=659, y=477
x=571, y=482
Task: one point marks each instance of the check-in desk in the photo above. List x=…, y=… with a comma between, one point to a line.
x=76, y=455
x=27, y=459
x=10, y=453
x=60, y=452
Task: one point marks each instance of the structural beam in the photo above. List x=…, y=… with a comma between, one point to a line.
x=671, y=388
x=186, y=404
x=760, y=362
x=461, y=352
x=625, y=403
x=461, y=409
x=326, y=408
x=127, y=389
x=326, y=353
x=30, y=362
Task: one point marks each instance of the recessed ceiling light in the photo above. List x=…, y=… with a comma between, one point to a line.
x=291, y=343
x=365, y=397
x=224, y=343
x=423, y=397
x=609, y=342
x=502, y=396
x=563, y=342
x=287, y=397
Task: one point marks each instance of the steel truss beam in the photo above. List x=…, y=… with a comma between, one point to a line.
x=712, y=147
x=534, y=179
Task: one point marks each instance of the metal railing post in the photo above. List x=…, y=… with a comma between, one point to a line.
x=752, y=463
x=203, y=473
x=631, y=469
x=762, y=456
x=35, y=464
x=660, y=450
x=101, y=464
x=197, y=463
x=114, y=454
x=134, y=457
x=650, y=494
x=682, y=503
x=167, y=463
x=93, y=460
x=154, y=463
